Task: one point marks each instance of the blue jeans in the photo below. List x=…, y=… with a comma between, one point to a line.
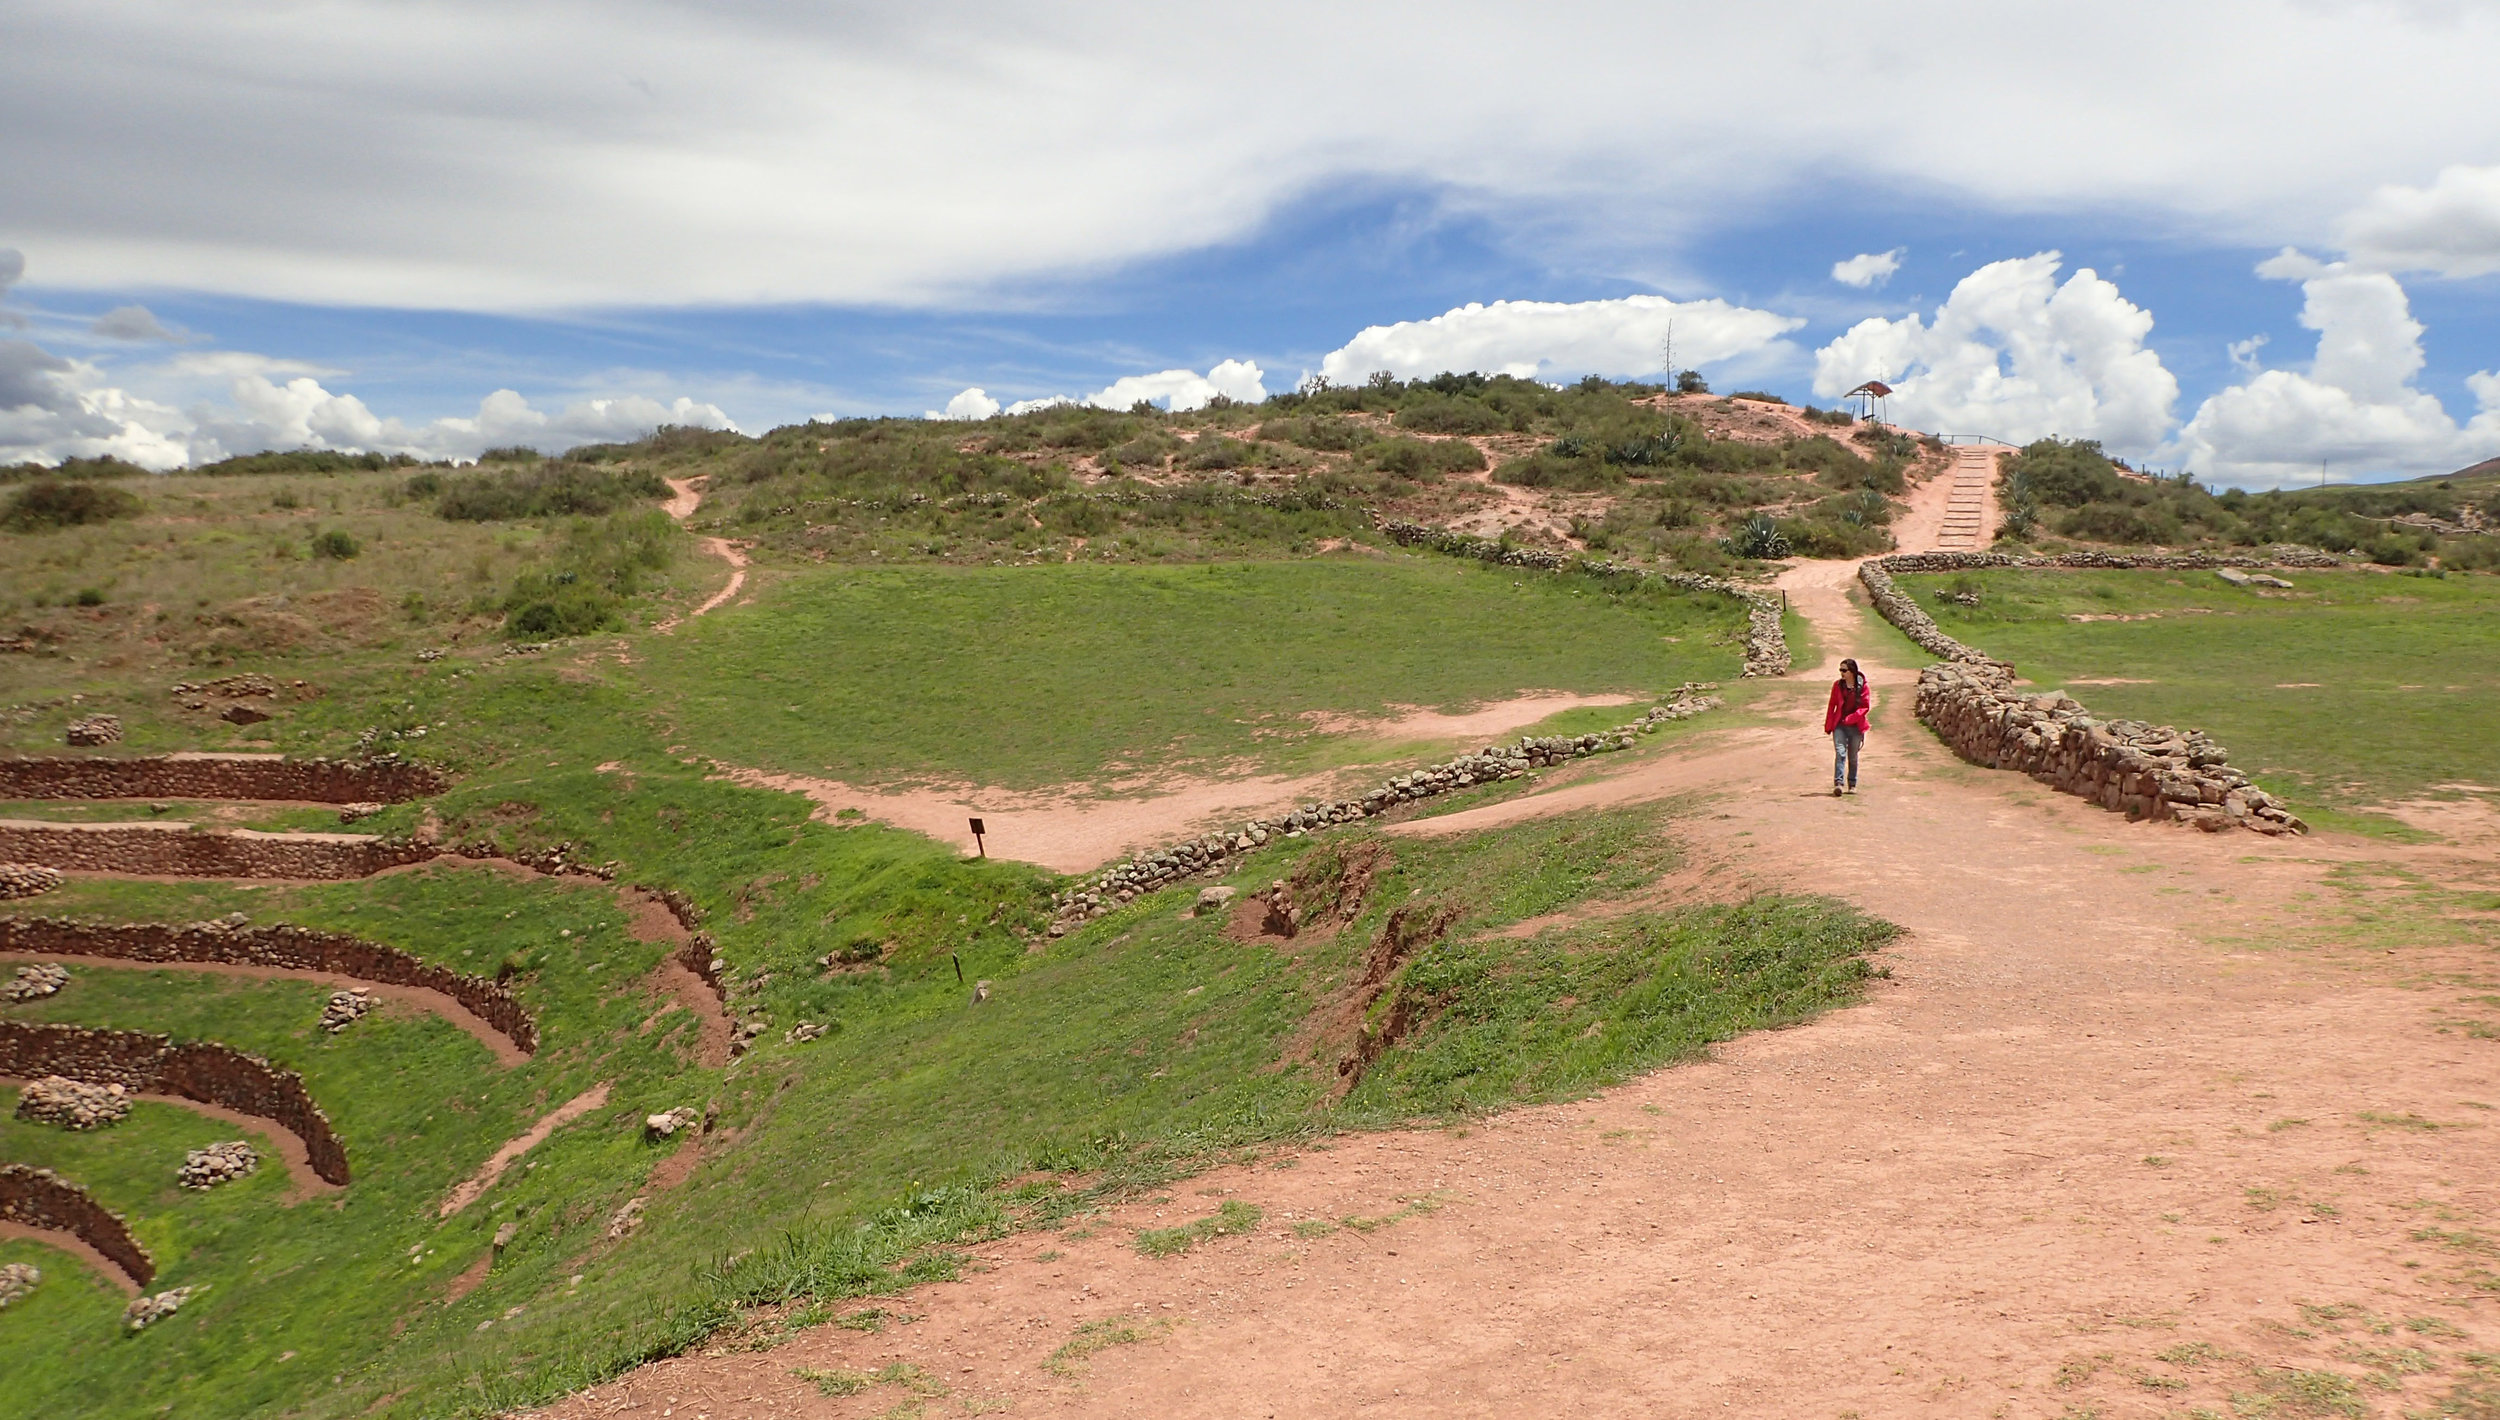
x=1845, y=743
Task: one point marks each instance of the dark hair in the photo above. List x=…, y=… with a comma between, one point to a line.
x=1849, y=668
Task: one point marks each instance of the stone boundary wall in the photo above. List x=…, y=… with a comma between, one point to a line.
x=40, y=1198
x=1127, y=881
x=281, y=948
x=177, y=850
x=200, y=1070
x=700, y=954
x=2125, y=766
x=385, y=780
x=1766, y=641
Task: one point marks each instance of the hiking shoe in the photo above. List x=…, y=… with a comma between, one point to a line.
x=1835, y=791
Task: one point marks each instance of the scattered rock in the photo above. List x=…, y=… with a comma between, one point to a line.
x=96, y=730
x=504, y=1236
x=16, y=1280
x=344, y=1009
x=72, y=1104
x=147, y=1311
x=670, y=1124
x=33, y=983
x=232, y=687
x=626, y=1220
x=27, y=879
x=980, y=992
x=243, y=715
x=351, y=813
x=218, y=1163
x=1212, y=900
x=430, y=653
x=804, y=1032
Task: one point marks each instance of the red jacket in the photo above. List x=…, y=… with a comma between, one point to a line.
x=1846, y=708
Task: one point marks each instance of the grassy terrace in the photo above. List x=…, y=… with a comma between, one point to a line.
x=2354, y=689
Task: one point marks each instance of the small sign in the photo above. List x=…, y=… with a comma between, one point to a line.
x=982, y=848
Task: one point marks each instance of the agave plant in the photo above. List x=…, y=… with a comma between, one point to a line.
x=1757, y=537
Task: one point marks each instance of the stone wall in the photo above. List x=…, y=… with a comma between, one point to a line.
x=280, y=948
x=384, y=780
x=2125, y=766
x=200, y=1070
x=1766, y=640
x=177, y=850
x=40, y=1198
x=1208, y=855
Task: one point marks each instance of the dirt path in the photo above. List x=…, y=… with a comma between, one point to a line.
x=506, y=1053
x=2067, y=1135
x=476, y=1184
x=268, y=1136
x=79, y=1248
x=1072, y=833
x=688, y=495
x=649, y=920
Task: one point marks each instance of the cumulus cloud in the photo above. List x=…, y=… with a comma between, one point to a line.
x=54, y=408
x=917, y=153
x=1868, y=269
x=973, y=403
x=1178, y=390
x=1552, y=340
x=2451, y=228
x=2355, y=412
x=2015, y=354
x=130, y=323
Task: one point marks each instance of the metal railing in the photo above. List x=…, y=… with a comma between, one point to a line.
x=1975, y=439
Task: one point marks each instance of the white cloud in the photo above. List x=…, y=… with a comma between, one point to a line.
x=2355, y=412
x=974, y=403
x=478, y=153
x=1183, y=390
x=1179, y=390
x=2451, y=228
x=1555, y=339
x=2015, y=354
x=53, y=408
x=130, y=323
x=1868, y=269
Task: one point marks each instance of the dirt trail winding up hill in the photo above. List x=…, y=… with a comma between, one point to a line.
x=688, y=495
x=2100, y=1113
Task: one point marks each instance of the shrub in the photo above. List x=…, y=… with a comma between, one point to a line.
x=2064, y=474
x=1691, y=382
x=1545, y=470
x=549, y=490
x=1326, y=434
x=1757, y=537
x=1214, y=451
x=1758, y=396
x=335, y=545
x=1424, y=459
x=1444, y=415
x=2119, y=523
x=542, y=609
x=49, y=503
x=1144, y=451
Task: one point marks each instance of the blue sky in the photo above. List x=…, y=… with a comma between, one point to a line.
x=754, y=216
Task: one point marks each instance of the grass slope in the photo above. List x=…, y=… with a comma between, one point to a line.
x=2356, y=688
x=1033, y=676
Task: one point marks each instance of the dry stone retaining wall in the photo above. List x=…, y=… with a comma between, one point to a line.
x=40, y=1198
x=1128, y=881
x=177, y=850
x=386, y=779
x=2125, y=766
x=1766, y=641
x=199, y=1070
x=281, y=948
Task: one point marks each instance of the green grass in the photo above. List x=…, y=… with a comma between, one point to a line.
x=1234, y=1217
x=1139, y=1046
x=1048, y=675
x=2396, y=671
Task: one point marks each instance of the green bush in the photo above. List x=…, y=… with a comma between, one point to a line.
x=1214, y=451
x=548, y=490
x=2064, y=474
x=336, y=545
x=1424, y=459
x=1758, y=537
x=1326, y=434
x=1442, y=415
x=50, y=503
x=1546, y=470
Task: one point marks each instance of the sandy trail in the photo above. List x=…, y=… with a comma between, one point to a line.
x=77, y=1247
x=506, y=1053
x=687, y=495
x=2067, y=1134
x=1075, y=833
x=476, y=1184
x=269, y=1136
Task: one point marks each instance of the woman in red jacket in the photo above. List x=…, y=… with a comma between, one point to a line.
x=1844, y=719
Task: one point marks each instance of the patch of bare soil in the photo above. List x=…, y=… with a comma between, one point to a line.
x=1074, y=831
x=1485, y=723
x=649, y=920
x=2097, y=1145
x=476, y=1184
